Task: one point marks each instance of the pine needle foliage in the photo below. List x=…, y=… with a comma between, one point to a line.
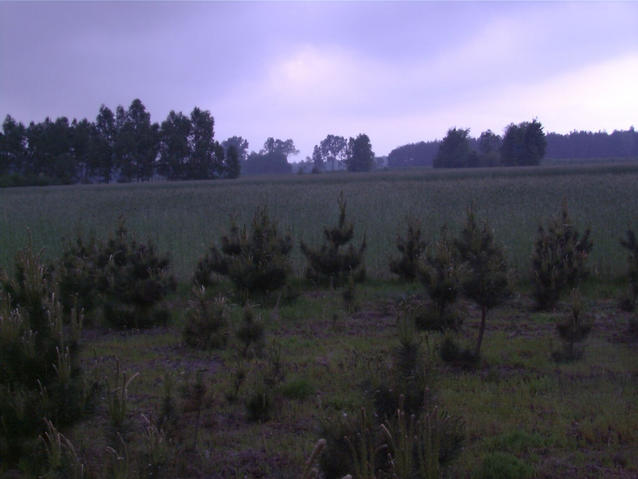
x=559, y=259
x=485, y=279
x=631, y=245
x=207, y=320
x=410, y=247
x=332, y=263
x=134, y=279
x=573, y=330
x=440, y=272
x=124, y=279
x=40, y=371
x=76, y=275
x=256, y=261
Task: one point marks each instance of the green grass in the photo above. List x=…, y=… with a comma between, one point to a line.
x=184, y=218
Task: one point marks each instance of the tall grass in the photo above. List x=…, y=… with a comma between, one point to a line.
x=183, y=218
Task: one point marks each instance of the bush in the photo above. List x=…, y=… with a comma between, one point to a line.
x=298, y=388
x=133, y=281
x=411, y=248
x=126, y=280
x=409, y=383
x=40, y=372
x=440, y=272
x=485, y=275
x=631, y=245
x=573, y=330
x=332, y=263
x=207, y=321
x=502, y=465
x=558, y=259
x=454, y=354
x=256, y=261
x=250, y=333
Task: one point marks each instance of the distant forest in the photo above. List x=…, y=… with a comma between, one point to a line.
x=581, y=145
x=125, y=146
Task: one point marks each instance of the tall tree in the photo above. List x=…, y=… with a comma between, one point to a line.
x=523, y=144
x=203, y=162
x=137, y=142
x=13, y=150
x=232, y=163
x=360, y=154
x=240, y=144
x=81, y=146
x=333, y=150
x=454, y=150
x=103, y=139
x=318, y=164
x=174, y=153
x=272, y=158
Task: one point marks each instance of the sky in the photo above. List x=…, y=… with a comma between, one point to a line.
x=401, y=72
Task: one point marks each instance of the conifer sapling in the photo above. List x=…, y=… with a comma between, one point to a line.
x=485, y=278
x=333, y=262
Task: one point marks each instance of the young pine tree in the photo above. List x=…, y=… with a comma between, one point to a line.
x=332, y=263
x=440, y=271
x=573, y=330
x=411, y=247
x=485, y=280
x=631, y=244
x=256, y=261
x=559, y=259
x=40, y=370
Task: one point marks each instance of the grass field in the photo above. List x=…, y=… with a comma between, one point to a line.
x=184, y=218
x=557, y=420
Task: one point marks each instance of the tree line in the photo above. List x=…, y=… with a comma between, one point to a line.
x=491, y=149
x=121, y=146
x=125, y=146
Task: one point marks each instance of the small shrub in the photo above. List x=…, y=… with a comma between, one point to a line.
x=485, y=279
x=259, y=403
x=354, y=445
x=502, y=465
x=559, y=259
x=207, y=321
x=256, y=261
x=298, y=388
x=133, y=282
x=454, y=354
x=127, y=280
x=250, y=333
x=440, y=272
x=631, y=245
x=411, y=248
x=77, y=275
x=332, y=263
x=408, y=385
x=40, y=370
x=573, y=330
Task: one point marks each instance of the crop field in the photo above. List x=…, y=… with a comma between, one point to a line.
x=161, y=408
x=185, y=218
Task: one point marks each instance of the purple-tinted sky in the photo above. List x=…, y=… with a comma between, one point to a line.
x=399, y=71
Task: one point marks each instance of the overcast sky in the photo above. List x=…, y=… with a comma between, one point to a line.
x=399, y=71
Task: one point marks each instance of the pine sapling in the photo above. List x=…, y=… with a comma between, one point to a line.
x=332, y=263
x=559, y=259
x=256, y=260
x=440, y=271
x=573, y=330
x=631, y=245
x=411, y=247
x=485, y=278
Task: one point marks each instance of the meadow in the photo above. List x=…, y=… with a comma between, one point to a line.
x=524, y=414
